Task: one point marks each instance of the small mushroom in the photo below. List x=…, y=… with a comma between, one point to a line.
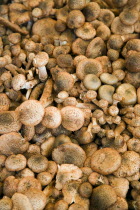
x=105, y=161
x=40, y=60
x=121, y=203
x=66, y=173
x=21, y=201
x=72, y=118
x=69, y=153
x=28, y=183
x=4, y=102
x=106, y=16
x=103, y=197
x=130, y=164
x=64, y=81
x=91, y=82
x=128, y=93
x=15, y=162
x=106, y=92
x=75, y=19
x=31, y=112
x=132, y=61
x=10, y=186
x=91, y=11
x=37, y=163
x=52, y=118
x=45, y=178
x=61, y=204
x=109, y=79
x=79, y=47
x=88, y=66
x=86, y=31
x=5, y=203
x=129, y=16
x=85, y=190
x=72, y=4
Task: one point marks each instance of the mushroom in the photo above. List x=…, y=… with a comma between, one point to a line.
x=44, y=178
x=72, y=4
x=91, y=82
x=31, y=112
x=109, y=79
x=52, y=118
x=121, y=203
x=79, y=47
x=86, y=31
x=37, y=163
x=129, y=16
x=61, y=204
x=72, y=118
x=39, y=61
x=75, y=19
x=15, y=162
x=106, y=92
x=130, y=164
x=21, y=201
x=37, y=198
x=66, y=173
x=64, y=81
x=106, y=16
x=9, y=122
x=132, y=61
x=4, y=102
x=85, y=190
x=5, y=203
x=10, y=186
x=91, y=11
x=128, y=93
x=88, y=66
x=28, y=183
x=47, y=146
x=105, y=161
x=103, y=197
x=12, y=143
x=69, y=153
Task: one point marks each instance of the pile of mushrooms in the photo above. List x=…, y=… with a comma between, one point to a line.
x=70, y=105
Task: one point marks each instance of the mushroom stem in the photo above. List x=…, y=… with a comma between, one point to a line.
x=46, y=95
x=30, y=84
x=42, y=73
x=12, y=26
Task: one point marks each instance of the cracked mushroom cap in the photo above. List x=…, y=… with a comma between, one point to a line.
x=103, y=197
x=12, y=143
x=52, y=118
x=9, y=122
x=69, y=153
x=88, y=66
x=41, y=59
x=4, y=102
x=31, y=112
x=105, y=161
x=45, y=27
x=72, y=118
x=37, y=198
x=130, y=164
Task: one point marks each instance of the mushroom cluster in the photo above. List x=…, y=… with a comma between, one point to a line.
x=70, y=105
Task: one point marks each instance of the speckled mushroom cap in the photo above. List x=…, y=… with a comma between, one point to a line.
x=105, y=161
x=132, y=61
x=41, y=59
x=9, y=121
x=130, y=164
x=103, y=197
x=12, y=143
x=64, y=81
x=4, y=102
x=88, y=66
x=38, y=163
x=69, y=153
x=52, y=118
x=31, y=112
x=72, y=118
x=44, y=27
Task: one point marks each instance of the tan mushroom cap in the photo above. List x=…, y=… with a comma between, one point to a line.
x=37, y=198
x=5, y=203
x=12, y=143
x=45, y=27
x=9, y=121
x=52, y=118
x=75, y=19
x=121, y=203
x=41, y=59
x=88, y=66
x=91, y=82
x=21, y=202
x=106, y=92
x=130, y=164
x=15, y=162
x=37, y=163
x=103, y=197
x=64, y=81
x=129, y=16
x=27, y=183
x=72, y=118
x=128, y=92
x=105, y=161
x=4, y=102
x=132, y=61
x=31, y=112
x=86, y=31
x=69, y=153
x=106, y=16
x=18, y=81
x=91, y=11
x=80, y=4
x=45, y=178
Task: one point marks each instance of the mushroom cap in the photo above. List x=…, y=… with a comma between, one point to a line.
x=37, y=163
x=45, y=27
x=69, y=153
x=31, y=112
x=18, y=81
x=80, y=4
x=37, y=198
x=9, y=121
x=106, y=16
x=41, y=59
x=88, y=66
x=4, y=102
x=86, y=31
x=91, y=82
x=75, y=19
x=52, y=118
x=103, y=197
x=128, y=92
x=12, y=143
x=121, y=203
x=27, y=183
x=106, y=92
x=105, y=161
x=129, y=16
x=64, y=81
x=21, y=201
x=130, y=164
x=5, y=203
x=132, y=62
x=91, y=11
x=15, y=162
x=72, y=118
